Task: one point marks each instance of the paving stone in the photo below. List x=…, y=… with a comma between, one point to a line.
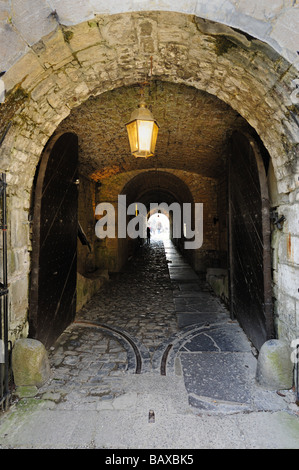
x=125, y=401
x=220, y=376
x=71, y=360
x=189, y=286
x=187, y=319
x=223, y=338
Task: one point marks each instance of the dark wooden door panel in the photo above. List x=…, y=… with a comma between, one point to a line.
x=54, y=255
x=250, y=263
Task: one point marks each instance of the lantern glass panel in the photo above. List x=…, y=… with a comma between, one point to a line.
x=132, y=134
x=154, y=137
x=145, y=129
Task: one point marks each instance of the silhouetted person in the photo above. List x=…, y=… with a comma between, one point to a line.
x=148, y=233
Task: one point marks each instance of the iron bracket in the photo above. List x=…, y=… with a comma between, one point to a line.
x=277, y=220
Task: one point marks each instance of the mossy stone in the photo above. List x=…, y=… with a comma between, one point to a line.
x=274, y=367
x=30, y=363
x=26, y=391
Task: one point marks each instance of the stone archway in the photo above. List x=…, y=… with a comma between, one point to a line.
x=163, y=189
x=77, y=62
x=45, y=87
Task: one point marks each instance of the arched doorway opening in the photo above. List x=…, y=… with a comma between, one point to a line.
x=161, y=191
x=166, y=186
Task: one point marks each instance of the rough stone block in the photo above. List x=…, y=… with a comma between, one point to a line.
x=26, y=391
x=285, y=29
x=260, y=10
x=33, y=19
x=274, y=367
x=53, y=51
x=19, y=73
x=30, y=363
x=12, y=45
x=288, y=279
x=70, y=13
x=86, y=35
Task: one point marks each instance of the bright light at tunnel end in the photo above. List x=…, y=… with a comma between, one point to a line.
x=131, y=221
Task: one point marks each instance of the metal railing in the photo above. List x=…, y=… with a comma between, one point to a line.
x=4, y=343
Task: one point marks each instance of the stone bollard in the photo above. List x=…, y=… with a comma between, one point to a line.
x=274, y=366
x=30, y=363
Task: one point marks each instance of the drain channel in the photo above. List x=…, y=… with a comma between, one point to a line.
x=120, y=333
x=164, y=359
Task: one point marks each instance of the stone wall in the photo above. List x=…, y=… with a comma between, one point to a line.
x=91, y=274
x=272, y=21
x=86, y=262
x=285, y=259
x=285, y=243
x=65, y=70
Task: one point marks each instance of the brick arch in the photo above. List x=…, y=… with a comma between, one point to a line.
x=160, y=187
x=147, y=186
x=172, y=186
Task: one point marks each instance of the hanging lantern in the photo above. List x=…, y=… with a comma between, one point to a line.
x=142, y=132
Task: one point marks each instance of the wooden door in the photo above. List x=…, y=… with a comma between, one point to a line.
x=249, y=240
x=54, y=244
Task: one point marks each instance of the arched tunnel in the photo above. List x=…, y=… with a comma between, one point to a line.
x=191, y=167
x=227, y=151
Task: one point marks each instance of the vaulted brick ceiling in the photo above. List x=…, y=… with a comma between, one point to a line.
x=194, y=130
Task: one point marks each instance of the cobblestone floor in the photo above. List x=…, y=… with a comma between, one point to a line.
x=93, y=356
x=156, y=317
x=139, y=300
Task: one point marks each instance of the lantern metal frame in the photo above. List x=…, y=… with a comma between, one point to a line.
x=142, y=131
x=142, y=128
